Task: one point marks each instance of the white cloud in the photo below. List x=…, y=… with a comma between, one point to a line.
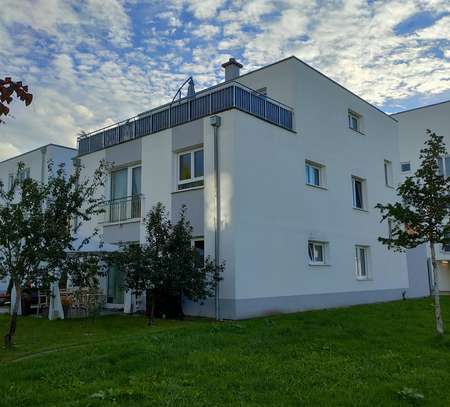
x=88, y=64
x=8, y=150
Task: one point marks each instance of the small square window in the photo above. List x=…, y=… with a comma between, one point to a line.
x=317, y=252
x=314, y=174
x=190, y=169
x=406, y=166
x=359, y=193
x=362, y=262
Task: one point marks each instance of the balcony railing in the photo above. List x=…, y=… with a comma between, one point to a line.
x=123, y=209
x=210, y=101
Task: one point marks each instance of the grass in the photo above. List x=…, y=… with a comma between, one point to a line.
x=373, y=355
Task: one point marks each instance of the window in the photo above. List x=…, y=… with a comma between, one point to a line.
x=389, y=222
x=24, y=174
x=10, y=181
x=317, y=252
x=362, y=262
x=199, y=246
x=359, y=193
x=444, y=166
x=314, y=174
x=354, y=121
x=190, y=169
x=119, y=184
x=388, y=176
x=406, y=166
x=125, y=194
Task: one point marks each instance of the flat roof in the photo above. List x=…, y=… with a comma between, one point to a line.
x=320, y=73
x=36, y=149
x=422, y=107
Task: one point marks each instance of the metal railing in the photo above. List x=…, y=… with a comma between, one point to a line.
x=123, y=209
x=210, y=101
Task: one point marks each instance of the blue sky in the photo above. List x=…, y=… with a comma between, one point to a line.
x=93, y=62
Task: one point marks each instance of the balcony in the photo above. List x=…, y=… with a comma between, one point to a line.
x=210, y=101
x=123, y=210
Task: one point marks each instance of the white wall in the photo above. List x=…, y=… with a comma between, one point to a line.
x=412, y=135
x=276, y=213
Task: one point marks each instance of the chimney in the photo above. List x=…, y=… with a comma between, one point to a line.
x=232, y=68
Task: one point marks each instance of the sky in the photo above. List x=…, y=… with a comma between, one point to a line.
x=90, y=63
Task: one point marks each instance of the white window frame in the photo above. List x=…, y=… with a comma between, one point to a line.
x=10, y=181
x=320, y=168
x=193, y=177
x=353, y=115
x=388, y=174
x=358, y=268
x=445, y=170
x=363, y=193
x=324, y=247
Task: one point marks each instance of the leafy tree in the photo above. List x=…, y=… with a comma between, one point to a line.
x=422, y=216
x=38, y=227
x=166, y=265
x=7, y=89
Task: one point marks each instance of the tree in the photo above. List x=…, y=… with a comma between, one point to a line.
x=38, y=227
x=166, y=265
x=422, y=216
x=7, y=89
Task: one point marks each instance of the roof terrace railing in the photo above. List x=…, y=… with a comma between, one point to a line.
x=210, y=101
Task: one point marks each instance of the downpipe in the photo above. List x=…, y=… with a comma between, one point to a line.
x=215, y=123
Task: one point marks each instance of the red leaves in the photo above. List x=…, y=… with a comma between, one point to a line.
x=7, y=89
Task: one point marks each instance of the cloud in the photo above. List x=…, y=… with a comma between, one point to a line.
x=8, y=150
x=94, y=62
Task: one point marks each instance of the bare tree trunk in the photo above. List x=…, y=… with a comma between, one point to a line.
x=436, y=293
x=13, y=322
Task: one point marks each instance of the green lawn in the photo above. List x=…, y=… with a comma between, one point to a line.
x=360, y=356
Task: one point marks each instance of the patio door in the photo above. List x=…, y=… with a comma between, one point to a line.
x=116, y=291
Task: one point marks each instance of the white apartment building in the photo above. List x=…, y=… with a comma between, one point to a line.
x=412, y=135
x=301, y=163
x=35, y=167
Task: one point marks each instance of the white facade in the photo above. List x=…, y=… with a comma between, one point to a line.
x=412, y=135
x=271, y=219
x=36, y=167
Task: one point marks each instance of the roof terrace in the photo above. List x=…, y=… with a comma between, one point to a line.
x=229, y=95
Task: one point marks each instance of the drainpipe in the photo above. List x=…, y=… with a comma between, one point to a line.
x=215, y=123
x=43, y=163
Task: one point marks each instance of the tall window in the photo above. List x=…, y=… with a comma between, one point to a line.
x=119, y=184
x=190, y=169
x=359, y=193
x=126, y=202
x=362, y=262
x=199, y=246
x=388, y=176
x=444, y=166
x=317, y=252
x=314, y=174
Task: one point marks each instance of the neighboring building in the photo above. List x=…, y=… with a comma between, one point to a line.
x=302, y=163
x=35, y=167
x=412, y=135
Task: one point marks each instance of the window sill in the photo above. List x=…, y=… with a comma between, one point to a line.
x=357, y=131
x=360, y=209
x=389, y=186
x=188, y=189
x=316, y=186
x=319, y=264
x=363, y=279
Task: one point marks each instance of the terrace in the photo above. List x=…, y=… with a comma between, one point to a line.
x=207, y=102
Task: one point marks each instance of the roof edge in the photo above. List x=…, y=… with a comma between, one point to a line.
x=36, y=149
